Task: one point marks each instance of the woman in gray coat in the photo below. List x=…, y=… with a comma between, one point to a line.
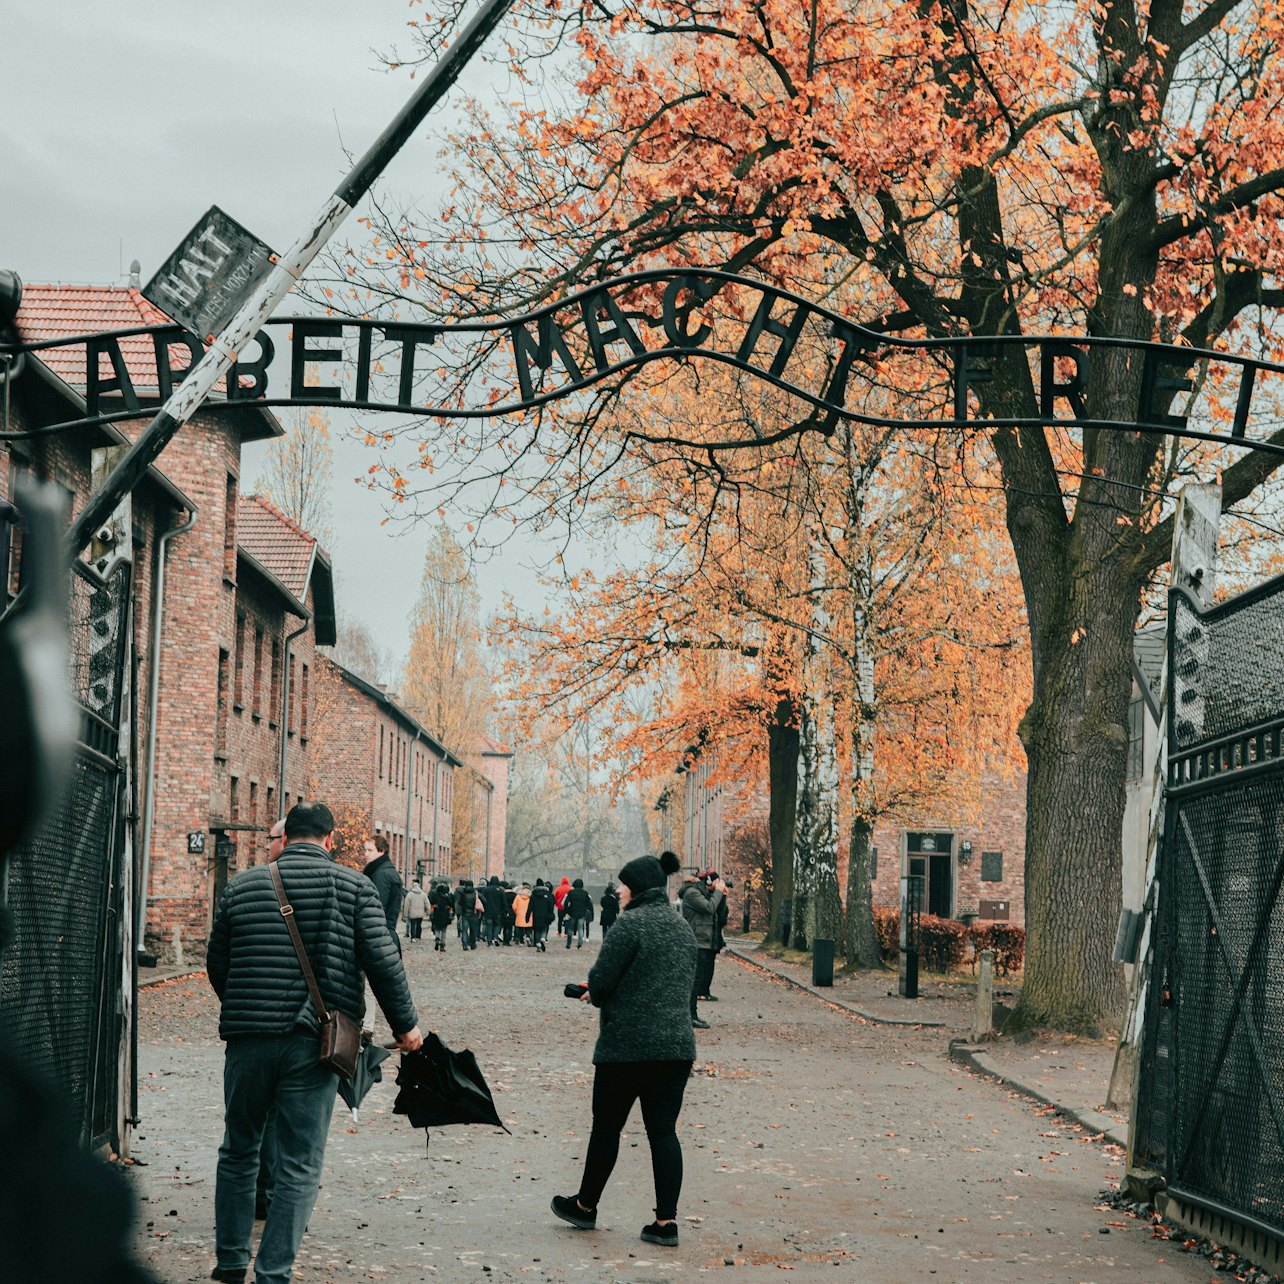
x=642, y=983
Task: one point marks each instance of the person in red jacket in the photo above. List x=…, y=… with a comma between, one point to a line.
x=560, y=893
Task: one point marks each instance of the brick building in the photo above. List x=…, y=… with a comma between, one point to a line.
x=490, y=764
x=249, y=716
x=381, y=764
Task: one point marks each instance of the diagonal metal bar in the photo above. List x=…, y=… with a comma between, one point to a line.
x=1241, y=978
x=187, y=399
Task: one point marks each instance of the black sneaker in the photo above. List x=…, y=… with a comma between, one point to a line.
x=567, y=1207
x=707, y=998
x=697, y=1024
x=229, y=1274
x=666, y=1235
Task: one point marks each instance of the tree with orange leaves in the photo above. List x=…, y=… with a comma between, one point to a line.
x=969, y=167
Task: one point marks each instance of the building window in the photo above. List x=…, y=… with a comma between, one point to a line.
x=238, y=675
x=873, y=863
x=254, y=803
x=220, y=708
x=1136, y=739
x=303, y=703
x=381, y=751
x=274, y=699
x=991, y=867
x=292, y=694
x=256, y=709
x=229, y=530
x=270, y=801
x=234, y=799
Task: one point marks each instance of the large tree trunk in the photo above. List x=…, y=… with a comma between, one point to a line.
x=1077, y=752
x=782, y=774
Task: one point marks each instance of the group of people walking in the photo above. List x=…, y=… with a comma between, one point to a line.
x=499, y=912
x=293, y=945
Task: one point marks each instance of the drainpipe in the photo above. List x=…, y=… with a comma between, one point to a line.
x=285, y=710
x=153, y=689
x=436, y=808
x=490, y=798
x=410, y=794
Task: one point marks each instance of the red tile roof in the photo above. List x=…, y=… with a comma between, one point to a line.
x=278, y=544
x=62, y=311
x=490, y=748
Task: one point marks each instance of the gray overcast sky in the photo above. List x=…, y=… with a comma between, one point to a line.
x=124, y=122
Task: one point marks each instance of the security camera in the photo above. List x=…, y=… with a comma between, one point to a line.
x=105, y=535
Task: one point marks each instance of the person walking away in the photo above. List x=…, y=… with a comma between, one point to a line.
x=510, y=917
x=414, y=908
x=560, y=893
x=641, y=983
x=522, y=914
x=542, y=912
x=466, y=913
x=718, y=895
x=579, y=914
x=493, y=917
x=610, y=904
x=697, y=908
x=442, y=909
x=272, y=1031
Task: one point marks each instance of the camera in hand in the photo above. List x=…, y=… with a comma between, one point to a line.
x=575, y=990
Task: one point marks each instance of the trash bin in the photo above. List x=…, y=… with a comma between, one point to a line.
x=822, y=962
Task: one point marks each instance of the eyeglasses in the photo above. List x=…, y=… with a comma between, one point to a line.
x=275, y=838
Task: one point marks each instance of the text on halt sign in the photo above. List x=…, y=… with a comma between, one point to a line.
x=203, y=283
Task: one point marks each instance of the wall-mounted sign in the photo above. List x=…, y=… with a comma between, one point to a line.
x=203, y=283
x=196, y=843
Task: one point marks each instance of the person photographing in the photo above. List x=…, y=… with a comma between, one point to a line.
x=641, y=984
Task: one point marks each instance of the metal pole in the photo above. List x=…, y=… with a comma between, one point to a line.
x=223, y=350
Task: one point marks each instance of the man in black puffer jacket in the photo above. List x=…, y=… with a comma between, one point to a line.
x=272, y=1030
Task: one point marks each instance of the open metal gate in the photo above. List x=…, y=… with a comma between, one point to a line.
x=60, y=991
x=1210, y=1105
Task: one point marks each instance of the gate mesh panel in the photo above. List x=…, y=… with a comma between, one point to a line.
x=1210, y=1114
x=53, y=980
x=62, y=964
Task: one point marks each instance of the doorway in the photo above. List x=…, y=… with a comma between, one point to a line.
x=931, y=857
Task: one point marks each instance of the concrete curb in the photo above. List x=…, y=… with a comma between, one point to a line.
x=827, y=996
x=972, y=1056
x=169, y=976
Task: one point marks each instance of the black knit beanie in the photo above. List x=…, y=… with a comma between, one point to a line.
x=646, y=872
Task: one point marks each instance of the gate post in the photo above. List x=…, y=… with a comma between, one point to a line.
x=1192, y=568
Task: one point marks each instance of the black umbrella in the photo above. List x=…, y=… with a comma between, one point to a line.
x=367, y=1073
x=439, y=1087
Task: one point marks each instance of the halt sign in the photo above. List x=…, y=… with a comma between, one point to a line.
x=213, y=271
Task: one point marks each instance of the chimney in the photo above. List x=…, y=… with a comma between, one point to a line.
x=135, y=279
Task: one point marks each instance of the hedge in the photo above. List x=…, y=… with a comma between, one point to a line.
x=945, y=941
x=1006, y=940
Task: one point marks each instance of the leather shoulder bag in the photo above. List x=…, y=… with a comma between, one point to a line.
x=340, y=1034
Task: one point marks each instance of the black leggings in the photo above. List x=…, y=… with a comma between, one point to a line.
x=616, y=1086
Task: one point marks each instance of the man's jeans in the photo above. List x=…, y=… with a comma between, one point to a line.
x=260, y=1071
x=491, y=928
x=468, y=930
x=577, y=928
